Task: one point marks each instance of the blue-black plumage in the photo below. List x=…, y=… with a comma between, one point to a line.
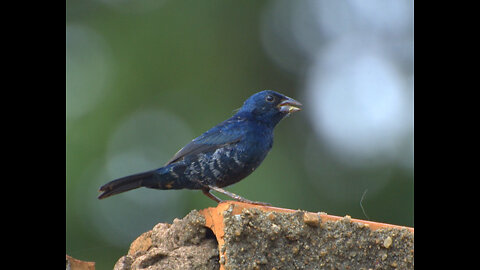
x=222, y=156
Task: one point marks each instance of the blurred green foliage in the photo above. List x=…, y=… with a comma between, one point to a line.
x=198, y=61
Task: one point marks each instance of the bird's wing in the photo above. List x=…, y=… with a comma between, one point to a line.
x=211, y=140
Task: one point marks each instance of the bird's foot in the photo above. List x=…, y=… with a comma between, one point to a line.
x=229, y=194
x=255, y=202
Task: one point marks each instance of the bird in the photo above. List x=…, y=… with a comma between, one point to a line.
x=222, y=156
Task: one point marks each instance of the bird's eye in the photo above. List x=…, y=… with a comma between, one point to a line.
x=269, y=98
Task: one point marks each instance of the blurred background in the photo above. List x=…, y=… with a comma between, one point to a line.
x=146, y=77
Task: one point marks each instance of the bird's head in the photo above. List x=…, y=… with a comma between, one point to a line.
x=270, y=106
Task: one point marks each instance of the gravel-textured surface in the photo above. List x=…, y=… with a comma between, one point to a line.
x=256, y=239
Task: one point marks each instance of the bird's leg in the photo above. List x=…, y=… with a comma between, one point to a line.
x=206, y=191
x=231, y=195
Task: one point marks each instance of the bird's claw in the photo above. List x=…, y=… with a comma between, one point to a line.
x=234, y=196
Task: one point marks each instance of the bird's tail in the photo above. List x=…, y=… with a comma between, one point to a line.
x=127, y=183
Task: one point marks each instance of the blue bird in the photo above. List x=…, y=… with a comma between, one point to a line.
x=220, y=157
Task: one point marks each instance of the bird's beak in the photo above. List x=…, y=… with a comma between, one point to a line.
x=289, y=105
